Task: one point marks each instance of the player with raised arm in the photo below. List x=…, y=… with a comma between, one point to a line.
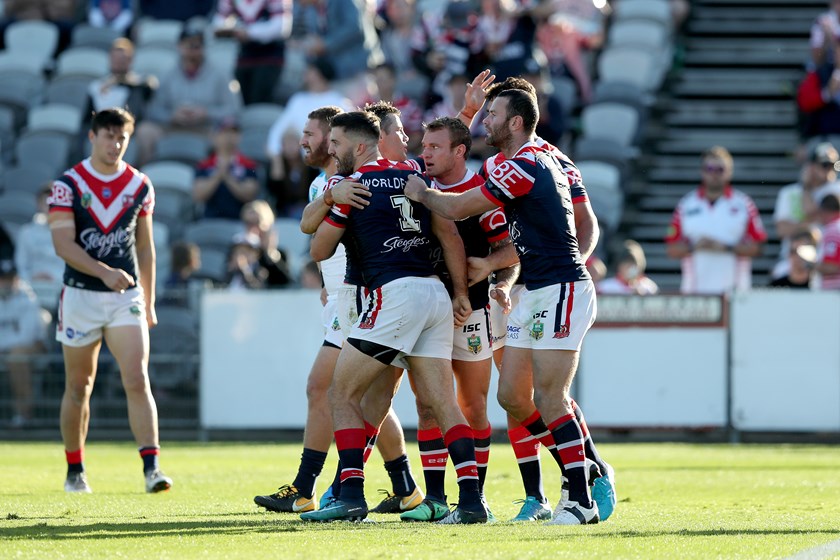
x=101, y=223
x=299, y=496
x=408, y=314
x=516, y=389
x=557, y=306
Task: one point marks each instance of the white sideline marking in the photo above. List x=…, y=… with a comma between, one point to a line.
x=818, y=552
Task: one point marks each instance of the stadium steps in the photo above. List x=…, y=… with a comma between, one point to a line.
x=734, y=86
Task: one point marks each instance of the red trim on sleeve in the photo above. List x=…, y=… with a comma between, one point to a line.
x=486, y=192
x=61, y=209
x=580, y=199
x=334, y=223
x=498, y=237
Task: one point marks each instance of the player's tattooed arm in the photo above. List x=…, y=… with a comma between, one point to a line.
x=450, y=206
x=455, y=258
x=502, y=255
x=588, y=231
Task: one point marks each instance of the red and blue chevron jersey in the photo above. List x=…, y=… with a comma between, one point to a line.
x=536, y=194
x=105, y=211
x=477, y=233
x=392, y=236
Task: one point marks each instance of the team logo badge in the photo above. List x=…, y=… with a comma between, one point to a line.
x=106, y=193
x=474, y=343
x=562, y=333
x=366, y=324
x=86, y=198
x=537, y=330
x=335, y=325
x=134, y=310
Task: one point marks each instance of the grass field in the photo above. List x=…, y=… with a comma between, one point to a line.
x=676, y=501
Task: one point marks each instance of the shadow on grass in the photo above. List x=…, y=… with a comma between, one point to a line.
x=138, y=528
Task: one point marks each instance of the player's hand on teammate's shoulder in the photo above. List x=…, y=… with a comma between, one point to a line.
x=501, y=293
x=351, y=192
x=117, y=279
x=461, y=310
x=478, y=268
x=415, y=186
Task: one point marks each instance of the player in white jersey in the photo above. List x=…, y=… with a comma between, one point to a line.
x=339, y=307
x=101, y=223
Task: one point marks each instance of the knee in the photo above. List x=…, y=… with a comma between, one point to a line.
x=475, y=411
x=79, y=390
x=316, y=392
x=425, y=416
x=511, y=398
x=135, y=382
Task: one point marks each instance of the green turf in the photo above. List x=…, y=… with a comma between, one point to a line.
x=676, y=501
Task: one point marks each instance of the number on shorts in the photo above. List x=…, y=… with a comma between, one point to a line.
x=407, y=221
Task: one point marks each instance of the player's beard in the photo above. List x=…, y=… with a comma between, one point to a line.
x=345, y=164
x=318, y=156
x=499, y=137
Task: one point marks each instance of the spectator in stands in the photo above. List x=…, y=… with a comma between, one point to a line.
x=181, y=10
x=116, y=14
x=258, y=220
x=797, y=204
x=122, y=87
x=385, y=80
x=596, y=268
x=310, y=277
x=801, y=257
x=63, y=13
x=261, y=27
x=244, y=269
x=828, y=252
x=397, y=23
x=443, y=47
x=825, y=32
x=342, y=33
x=568, y=30
x=226, y=180
x=291, y=190
x=35, y=257
x=192, y=97
x=509, y=36
x=715, y=231
x=629, y=273
x=185, y=262
x=317, y=92
x=22, y=336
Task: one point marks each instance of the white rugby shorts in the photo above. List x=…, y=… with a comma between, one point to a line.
x=472, y=342
x=498, y=318
x=332, y=326
x=412, y=315
x=556, y=317
x=83, y=314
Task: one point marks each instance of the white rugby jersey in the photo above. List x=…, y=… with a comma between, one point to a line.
x=829, y=252
x=334, y=267
x=732, y=218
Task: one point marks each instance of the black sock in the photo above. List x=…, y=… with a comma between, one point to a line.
x=588, y=444
x=461, y=446
x=311, y=463
x=482, y=454
x=434, y=457
x=399, y=470
x=569, y=440
x=351, y=446
x=150, y=458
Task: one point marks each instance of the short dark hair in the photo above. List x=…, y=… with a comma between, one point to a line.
x=387, y=66
x=458, y=131
x=115, y=117
x=382, y=109
x=513, y=82
x=631, y=251
x=521, y=104
x=325, y=114
x=362, y=124
x=830, y=203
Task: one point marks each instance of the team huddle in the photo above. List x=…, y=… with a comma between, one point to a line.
x=427, y=267
x=406, y=249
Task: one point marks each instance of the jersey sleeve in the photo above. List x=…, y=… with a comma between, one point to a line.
x=508, y=181
x=339, y=215
x=578, y=190
x=755, y=228
x=495, y=225
x=675, y=228
x=61, y=197
x=147, y=207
